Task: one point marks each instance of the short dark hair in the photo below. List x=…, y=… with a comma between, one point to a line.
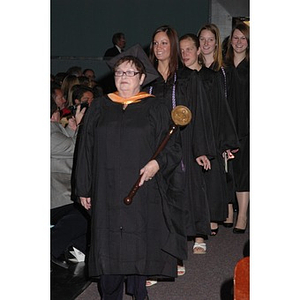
x=191, y=36
x=59, y=77
x=79, y=90
x=85, y=70
x=133, y=60
x=117, y=36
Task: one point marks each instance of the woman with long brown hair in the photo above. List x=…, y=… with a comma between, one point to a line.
x=237, y=61
x=179, y=85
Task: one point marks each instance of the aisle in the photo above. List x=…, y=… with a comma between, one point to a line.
x=208, y=276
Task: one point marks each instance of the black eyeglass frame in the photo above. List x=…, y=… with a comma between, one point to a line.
x=121, y=73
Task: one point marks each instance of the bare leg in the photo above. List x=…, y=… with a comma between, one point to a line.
x=243, y=203
x=213, y=225
x=199, y=240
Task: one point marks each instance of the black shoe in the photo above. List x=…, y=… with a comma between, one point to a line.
x=228, y=225
x=238, y=230
x=60, y=262
x=214, y=232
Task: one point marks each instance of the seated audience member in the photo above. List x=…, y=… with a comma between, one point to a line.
x=77, y=71
x=58, y=97
x=98, y=90
x=84, y=80
x=82, y=94
x=89, y=73
x=67, y=84
x=69, y=221
x=59, y=77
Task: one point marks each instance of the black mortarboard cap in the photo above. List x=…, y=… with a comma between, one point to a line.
x=137, y=51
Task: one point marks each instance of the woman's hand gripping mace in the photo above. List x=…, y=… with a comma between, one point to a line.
x=181, y=116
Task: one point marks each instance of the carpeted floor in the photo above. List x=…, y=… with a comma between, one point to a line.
x=208, y=276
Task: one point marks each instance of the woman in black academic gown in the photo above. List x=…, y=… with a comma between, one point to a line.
x=121, y=132
x=237, y=71
x=224, y=131
x=179, y=85
x=211, y=57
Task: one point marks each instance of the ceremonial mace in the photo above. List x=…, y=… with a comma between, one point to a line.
x=181, y=116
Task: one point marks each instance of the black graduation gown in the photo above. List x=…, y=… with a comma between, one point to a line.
x=197, y=139
x=225, y=138
x=239, y=101
x=114, y=145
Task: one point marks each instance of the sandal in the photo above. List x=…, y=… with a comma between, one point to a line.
x=199, y=248
x=180, y=270
x=150, y=282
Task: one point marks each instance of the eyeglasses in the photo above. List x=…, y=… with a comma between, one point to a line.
x=128, y=73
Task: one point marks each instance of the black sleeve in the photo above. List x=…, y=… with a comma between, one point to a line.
x=84, y=160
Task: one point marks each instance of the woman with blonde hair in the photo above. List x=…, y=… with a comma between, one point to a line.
x=210, y=46
x=211, y=56
x=224, y=133
x=66, y=86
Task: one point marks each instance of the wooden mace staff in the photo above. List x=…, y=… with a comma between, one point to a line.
x=181, y=116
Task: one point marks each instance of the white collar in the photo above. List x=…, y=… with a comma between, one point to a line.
x=120, y=50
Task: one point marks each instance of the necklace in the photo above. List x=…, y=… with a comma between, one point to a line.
x=224, y=74
x=173, y=91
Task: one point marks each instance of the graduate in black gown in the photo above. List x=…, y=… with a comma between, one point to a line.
x=179, y=85
x=223, y=125
x=237, y=71
x=121, y=132
x=210, y=56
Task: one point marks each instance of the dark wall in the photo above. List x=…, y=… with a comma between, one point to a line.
x=236, y=8
x=84, y=28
